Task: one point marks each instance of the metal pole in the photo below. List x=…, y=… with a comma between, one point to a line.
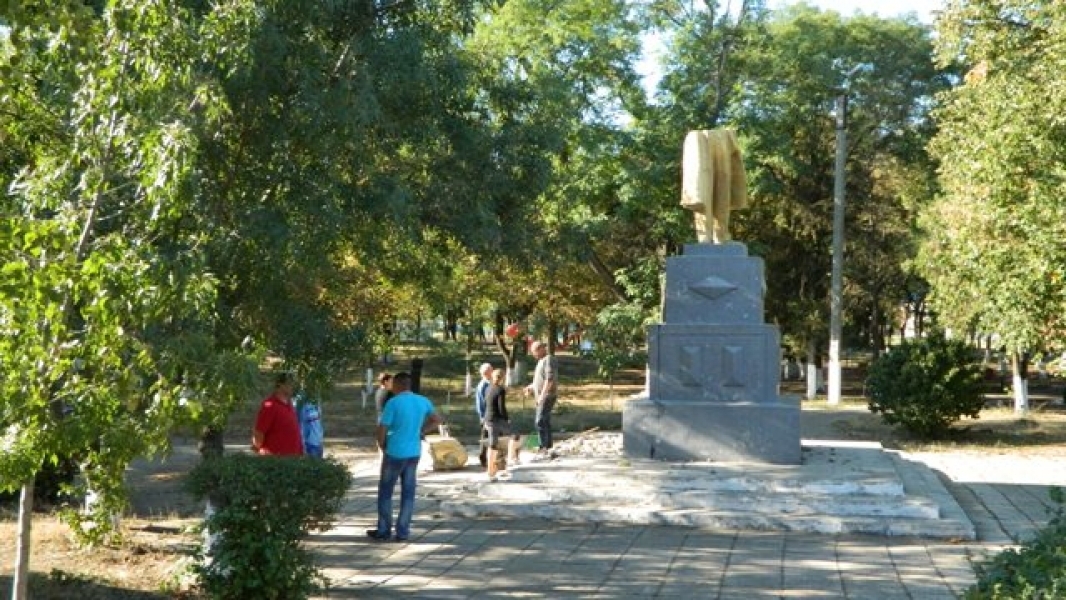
x=836, y=301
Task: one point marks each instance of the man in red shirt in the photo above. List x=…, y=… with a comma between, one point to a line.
x=277, y=430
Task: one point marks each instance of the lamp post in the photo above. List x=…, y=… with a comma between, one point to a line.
x=836, y=294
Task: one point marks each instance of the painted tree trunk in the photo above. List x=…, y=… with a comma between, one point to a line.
x=1020, y=383
x=814, y=374
x=20, y=589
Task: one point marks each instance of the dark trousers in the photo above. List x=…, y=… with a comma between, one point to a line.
x=543, y=422
x=484, y=443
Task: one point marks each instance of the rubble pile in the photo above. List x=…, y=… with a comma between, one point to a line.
x=588, y=444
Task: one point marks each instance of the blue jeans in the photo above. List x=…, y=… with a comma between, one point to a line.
x=404, y=469
x=543, y=422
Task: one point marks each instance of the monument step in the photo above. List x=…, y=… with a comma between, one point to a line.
x=668, y=498
x=840, y=487
x=648, y=476
x=717, y=519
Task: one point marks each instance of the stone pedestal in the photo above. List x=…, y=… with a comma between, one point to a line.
x=714, y=368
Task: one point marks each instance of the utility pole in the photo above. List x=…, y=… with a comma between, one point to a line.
x=836, y=293
x=836, y=299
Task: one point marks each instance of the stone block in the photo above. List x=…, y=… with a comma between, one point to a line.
x=714, y=363
x=445, y=453
x=733, y=432
x=713, y=368
x=705, y=286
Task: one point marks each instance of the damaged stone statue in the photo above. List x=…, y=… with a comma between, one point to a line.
x=712, y=181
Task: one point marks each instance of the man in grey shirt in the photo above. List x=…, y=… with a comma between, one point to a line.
x=544, y=390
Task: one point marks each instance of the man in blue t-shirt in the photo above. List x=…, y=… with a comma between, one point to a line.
x=404, y=419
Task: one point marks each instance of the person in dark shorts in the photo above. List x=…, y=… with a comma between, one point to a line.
x=497, y=421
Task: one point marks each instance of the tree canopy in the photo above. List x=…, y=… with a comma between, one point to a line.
x=993, y=249
x=786, y=118
x=191, y=187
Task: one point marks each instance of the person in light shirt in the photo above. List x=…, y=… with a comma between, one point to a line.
x=544, y=390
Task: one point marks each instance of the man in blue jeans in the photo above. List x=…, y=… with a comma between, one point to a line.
x=406, y=417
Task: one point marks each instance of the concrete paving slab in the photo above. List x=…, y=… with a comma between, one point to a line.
x=528, y=557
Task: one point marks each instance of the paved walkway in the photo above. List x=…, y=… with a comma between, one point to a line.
x=535, y=558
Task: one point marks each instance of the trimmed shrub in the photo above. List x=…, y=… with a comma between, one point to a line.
x=926, y=385
x=1034, y=571
x=264, y=508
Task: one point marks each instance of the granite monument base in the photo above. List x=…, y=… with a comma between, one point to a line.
x=767, y=432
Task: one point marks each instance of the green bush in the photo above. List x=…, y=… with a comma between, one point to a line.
x=926, y=385
x=1034, y=571
x=617, y=337
x=264, y=508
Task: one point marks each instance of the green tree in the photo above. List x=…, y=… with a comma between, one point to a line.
x=993, y=250
x=340, y=150
x=366, y=153
x=703, y=65
x=785, y=118
x=185, y=191
x=574, y=61
x=774, y=76
x=107, y=305
x=617, y=336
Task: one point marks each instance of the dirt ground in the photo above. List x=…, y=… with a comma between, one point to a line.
x=160, y=527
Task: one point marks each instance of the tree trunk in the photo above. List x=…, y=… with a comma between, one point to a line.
x=212, y=444
x=508, y=353
x=814, y=372
x=606, y=276
x=903, y=326
x=451, y=325
x=610, y=391
x=1020, y=364
x=20, y=589
x=469, y=384
x=876, y=333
